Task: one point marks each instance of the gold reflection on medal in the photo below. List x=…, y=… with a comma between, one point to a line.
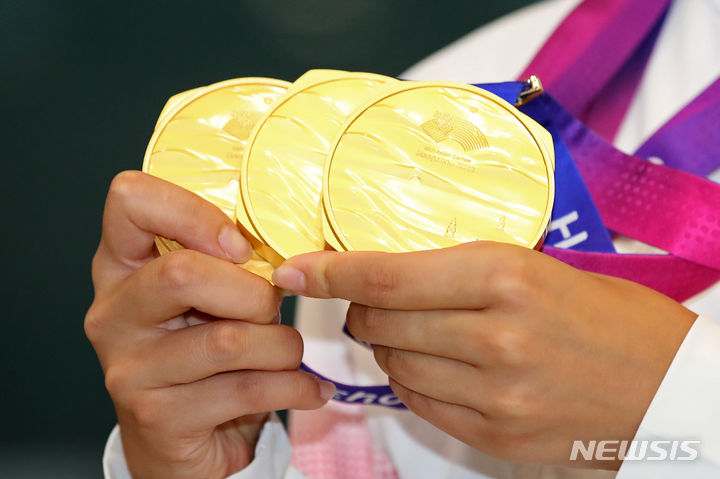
x=281, y=176
x=433, y=164
x=200, y=138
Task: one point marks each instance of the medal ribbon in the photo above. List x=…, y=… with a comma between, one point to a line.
x=634, y=197
x=598, y=187
x=659, y=205
x=670, y=209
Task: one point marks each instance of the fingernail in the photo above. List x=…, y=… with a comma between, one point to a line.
x=327, y=390
x=287, y=277
x=277, y=319
x=236, y=247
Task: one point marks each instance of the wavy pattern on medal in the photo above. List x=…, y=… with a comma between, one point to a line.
x=284, y=179
x=277, y=209
x=484, y=163
x=386, y=226
x=303, y=125
x=200, y=145
x=377, y=139
x=198, y=170
x=395, y=215
x=285, y=165
x=411, y=205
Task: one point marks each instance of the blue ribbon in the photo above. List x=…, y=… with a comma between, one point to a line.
x=576, y=223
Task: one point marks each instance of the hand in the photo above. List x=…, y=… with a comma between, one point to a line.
x=190, y=401
x=505, y=348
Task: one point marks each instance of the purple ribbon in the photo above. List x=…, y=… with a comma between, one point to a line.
x=690, y=141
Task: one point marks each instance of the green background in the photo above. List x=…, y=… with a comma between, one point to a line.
x=82, y=85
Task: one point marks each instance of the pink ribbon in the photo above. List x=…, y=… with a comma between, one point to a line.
x=592, y=64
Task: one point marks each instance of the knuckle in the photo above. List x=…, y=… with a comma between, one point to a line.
x=224, y=339
x=94, y=319
x=397, y=364
x=293, y=347
x=306, y=387
x=251, y=389
x=148, y=410
x=369, y=322
x=195, y=208
x=116, y=382
x=511, y=275
x=374, y=320
x=179, y=269
x=509, y=346
x=96, y=270
x=512, y=402
x=381, y=281
x=125, y=184
x=266, y=300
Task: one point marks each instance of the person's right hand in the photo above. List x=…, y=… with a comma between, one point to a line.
x=190, y=400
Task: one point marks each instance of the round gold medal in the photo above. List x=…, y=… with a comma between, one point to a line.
x=281, y=175
x=433, y=164
x=200, y=138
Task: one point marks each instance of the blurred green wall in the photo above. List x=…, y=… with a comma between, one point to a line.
x=82, y=84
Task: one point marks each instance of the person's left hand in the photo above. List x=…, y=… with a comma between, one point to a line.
x=505, y=348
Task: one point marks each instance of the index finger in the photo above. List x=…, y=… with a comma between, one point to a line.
x=140, y=206
x=459, y=277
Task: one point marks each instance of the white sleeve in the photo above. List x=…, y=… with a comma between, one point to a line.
x=686, y=407
x=498, y=51
x=272, y=456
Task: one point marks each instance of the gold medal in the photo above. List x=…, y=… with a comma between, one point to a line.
x=281, y=175
x=200, y=138
x=433, y=164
